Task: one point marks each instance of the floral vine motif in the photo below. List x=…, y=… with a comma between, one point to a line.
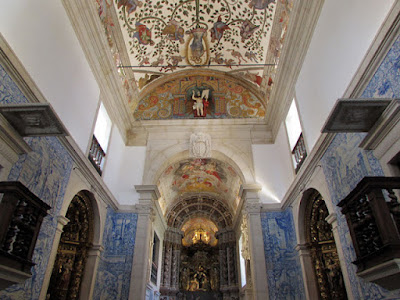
x=199, y=31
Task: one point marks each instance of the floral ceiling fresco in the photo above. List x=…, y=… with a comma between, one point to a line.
x=243, y=38
x=198, y=176
x=178, y=99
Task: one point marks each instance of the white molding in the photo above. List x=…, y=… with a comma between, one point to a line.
x=90, y=33
x=390, y=117
x=303, y=20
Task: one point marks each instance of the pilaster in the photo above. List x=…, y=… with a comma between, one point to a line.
x=310, y=282
x=141, y=266
x=61, y=222
x=252, y=211
x=332, y=220
x=89, y=278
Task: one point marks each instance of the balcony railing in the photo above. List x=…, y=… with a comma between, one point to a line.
x=21, y=215
x=299, y=152
x=372, y=212
x=96, y=155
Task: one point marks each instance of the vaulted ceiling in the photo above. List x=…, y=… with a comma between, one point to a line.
x=169, y=52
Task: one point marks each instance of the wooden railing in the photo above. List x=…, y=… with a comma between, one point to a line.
x=154, y=270
x=372, y=212
x=299, y=152
x=21, y=215
x=96, y=155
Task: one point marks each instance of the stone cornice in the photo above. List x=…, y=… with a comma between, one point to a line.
x=148, y=188
x=90, y=33
x=373, y=58
x=88, y=171
x=28, y=87
x=303, y=20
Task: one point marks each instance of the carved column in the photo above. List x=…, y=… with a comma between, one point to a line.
x=171, y=262
x=252, y=211
x=141, y=266
x=227, y=261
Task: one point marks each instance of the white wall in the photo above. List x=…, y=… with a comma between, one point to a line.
x=123, y=169
x=344, y=32
x=41, y=35
x=274, y=168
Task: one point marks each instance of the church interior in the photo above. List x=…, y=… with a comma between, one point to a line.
x=199, y=149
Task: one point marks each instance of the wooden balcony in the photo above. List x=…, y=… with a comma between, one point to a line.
x=21, y=215
x=372, y=212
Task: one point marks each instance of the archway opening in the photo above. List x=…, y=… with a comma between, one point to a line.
x=322, y=247
x=72, y=252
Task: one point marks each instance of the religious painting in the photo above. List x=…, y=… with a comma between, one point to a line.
x=199, y=175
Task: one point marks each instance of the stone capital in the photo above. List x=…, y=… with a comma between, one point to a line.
x=249, y=192
x=61, y=222
x=332, y=219
x=303, y=249
x=96, y=250
x=148, y=192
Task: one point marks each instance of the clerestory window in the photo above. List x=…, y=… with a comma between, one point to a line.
x=295, y=136
x=100, y=139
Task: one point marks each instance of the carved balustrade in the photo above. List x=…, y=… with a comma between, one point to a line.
x=21, y=215
x=372, y=212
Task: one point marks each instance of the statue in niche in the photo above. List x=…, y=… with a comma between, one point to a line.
x=200, y=103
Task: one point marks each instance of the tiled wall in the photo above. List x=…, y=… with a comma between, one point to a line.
x=45, y=171
x=345, y=164
x=114, y=272
x=283, y=264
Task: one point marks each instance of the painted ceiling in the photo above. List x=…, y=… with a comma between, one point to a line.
x=241, y=38
x=198, y=176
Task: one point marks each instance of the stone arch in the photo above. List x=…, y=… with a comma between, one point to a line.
x=161, y=162
x=73, y=249
x=208, y=207
x=321, y=262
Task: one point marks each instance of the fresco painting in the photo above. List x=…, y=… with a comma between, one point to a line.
x=175, y=100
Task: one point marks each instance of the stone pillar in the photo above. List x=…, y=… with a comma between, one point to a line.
x=332, y=219
x=252, y=211
x=61, y=222
x=171, y=262
x=141, y=266
x=310, y=282
x=228, y=263
x=89, y=278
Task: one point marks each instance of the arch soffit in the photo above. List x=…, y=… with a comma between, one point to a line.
x=160, y=164
x=195, y=206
